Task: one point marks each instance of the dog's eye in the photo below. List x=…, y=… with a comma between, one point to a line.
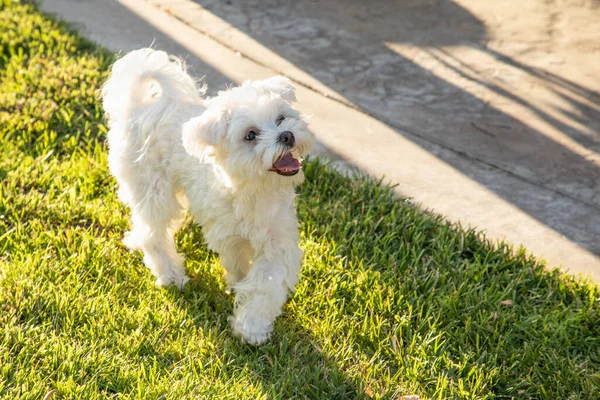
x=251, y=135
x=279, y=120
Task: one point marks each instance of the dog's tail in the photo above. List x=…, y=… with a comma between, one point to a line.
x=144, y=88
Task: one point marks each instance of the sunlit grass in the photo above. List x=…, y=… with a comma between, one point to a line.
x=393, y=300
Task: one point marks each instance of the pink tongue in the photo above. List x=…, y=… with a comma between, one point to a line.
x=287, y=163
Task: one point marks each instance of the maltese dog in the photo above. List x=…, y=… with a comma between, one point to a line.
x=233, y=160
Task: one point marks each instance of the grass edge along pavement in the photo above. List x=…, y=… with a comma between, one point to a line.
x=393, y=300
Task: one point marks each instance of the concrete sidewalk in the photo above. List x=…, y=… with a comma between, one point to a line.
x=486, y=113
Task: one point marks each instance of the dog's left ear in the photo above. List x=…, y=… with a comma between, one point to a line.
x=280, y=85
x=205, y=131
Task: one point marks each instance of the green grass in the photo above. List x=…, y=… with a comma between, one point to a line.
x=393, y=300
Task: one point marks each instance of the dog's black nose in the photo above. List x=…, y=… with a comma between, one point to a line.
x=287, y=138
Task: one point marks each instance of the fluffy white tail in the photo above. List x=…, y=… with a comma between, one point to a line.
x=145, y=87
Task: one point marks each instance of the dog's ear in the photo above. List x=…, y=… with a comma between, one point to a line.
x=205, y=131
x=280, y=85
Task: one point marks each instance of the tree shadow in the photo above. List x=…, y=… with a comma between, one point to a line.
x=348, y=46
x=569, y=91
x=436, y=289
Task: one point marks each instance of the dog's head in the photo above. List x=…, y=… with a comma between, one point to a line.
x=252, y=132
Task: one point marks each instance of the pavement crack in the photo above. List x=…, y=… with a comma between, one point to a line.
x=480, y=129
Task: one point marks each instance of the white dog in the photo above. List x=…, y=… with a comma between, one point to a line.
x=233, y=160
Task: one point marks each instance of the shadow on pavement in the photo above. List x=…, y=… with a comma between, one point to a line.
x=348, y=46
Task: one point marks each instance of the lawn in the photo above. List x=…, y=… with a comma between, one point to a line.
x=393, y=300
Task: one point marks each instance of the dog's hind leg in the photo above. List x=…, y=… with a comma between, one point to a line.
x=156, y=218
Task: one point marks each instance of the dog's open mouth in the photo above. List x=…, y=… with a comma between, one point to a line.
x=286, y=165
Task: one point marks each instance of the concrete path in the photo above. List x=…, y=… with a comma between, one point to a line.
x=486, y=112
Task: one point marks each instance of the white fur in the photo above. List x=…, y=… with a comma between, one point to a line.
x=171, y=150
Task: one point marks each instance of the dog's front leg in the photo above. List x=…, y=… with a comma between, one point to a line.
x=261, y=295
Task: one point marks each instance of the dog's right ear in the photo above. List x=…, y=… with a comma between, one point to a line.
x=205, y=131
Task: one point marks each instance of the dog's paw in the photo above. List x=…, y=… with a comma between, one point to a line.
x=179, y=280
x=252, y=330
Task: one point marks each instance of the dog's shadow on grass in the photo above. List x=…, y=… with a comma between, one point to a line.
x=290, y=365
